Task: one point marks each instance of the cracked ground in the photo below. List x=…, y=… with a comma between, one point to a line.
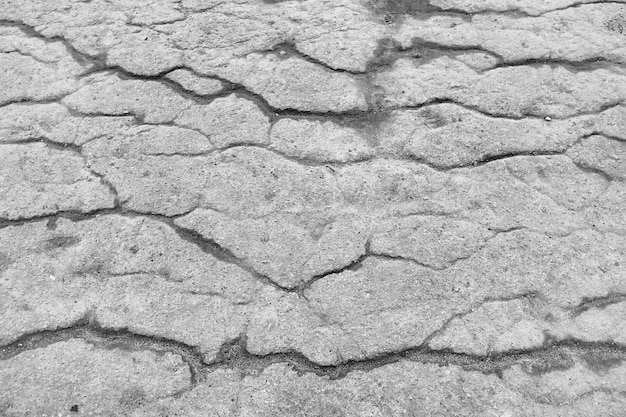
x=313, y=208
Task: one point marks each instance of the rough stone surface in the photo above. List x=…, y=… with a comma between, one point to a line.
x=54, y=122
x=150, y=101
x=395, y=390
x=228, y=121
x=319, y=142
x=196, y=84
x=316, y=208
x=540, y=90
x=37, y=179
x=76, y=376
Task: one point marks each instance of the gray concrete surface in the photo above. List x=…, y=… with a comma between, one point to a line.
x=313, y=208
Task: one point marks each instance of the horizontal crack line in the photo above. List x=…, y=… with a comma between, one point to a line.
x=88, y=329
x=235, y=355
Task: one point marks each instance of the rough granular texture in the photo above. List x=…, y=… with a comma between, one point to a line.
x=313, y=208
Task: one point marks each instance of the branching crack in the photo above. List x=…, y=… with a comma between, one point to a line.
x=234, y=355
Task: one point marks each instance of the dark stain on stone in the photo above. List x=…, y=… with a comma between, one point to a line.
x=558, y=361
x=600, y=303
x=385, y=53
x=5, y=261
x=133, y=398
x=406, y=7
x=602, y=361
x=354, y=267
x=5, y=407
x=52, y=223
x=60, y=242
x=541, y=172
x=166, y=274
x=74, y=408
x=232, y=352
x=432, y=118
x=389, y=51
x=616, y=24
x=270, y=195
x=24, y=306
x=92, y=267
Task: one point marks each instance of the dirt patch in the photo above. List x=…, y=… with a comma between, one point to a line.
x=556, y=361
x=603, y=361
x=60, y=242
x=406, y=7
x=616, y=24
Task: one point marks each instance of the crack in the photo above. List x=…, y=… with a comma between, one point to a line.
x=449, y=263
x=208, y=246
x=304, y=162
x=213, y=248
x=240, y=91
x=89, y=61
x=447, y=100
x=604, y=135
x=486, y=159
x=370, y=253
x=31, y=56
x=235, y=356
x=161, y=77
x=535, y=189
x=597, y=303
x=593, y=170
x=225, y=83
x=418, y=43
x=355, y=265
x=495, y=115
x=419, y=9
x=29, y=101
x=88, y=329
x=102, y=178
x=287, y=49
x=61, y=146
x=389, y=51
x=609, y=392
x=579, y=5
x=526, y=295
x=52, y=218
x=587, y=64
x=98, y=64
x=387, y=256
x=76, y=149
